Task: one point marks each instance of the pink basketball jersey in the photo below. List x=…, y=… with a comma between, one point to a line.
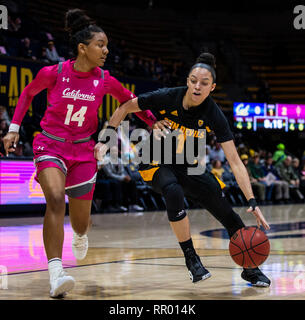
x=74, y=98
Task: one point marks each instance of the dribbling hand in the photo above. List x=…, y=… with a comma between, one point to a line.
x=258, y=214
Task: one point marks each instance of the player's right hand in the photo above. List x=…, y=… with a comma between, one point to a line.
x=10, y=142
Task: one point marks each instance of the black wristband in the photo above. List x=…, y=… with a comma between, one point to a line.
x=252, y=203
x=103, y=139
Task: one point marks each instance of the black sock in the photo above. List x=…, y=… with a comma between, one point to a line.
x=187, y=246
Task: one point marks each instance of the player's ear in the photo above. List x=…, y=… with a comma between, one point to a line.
x=213, y=86
x=81, y=48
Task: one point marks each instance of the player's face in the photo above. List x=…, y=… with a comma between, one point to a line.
x=200, y=84
x=96, y=51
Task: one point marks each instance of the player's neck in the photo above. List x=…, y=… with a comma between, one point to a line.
x=187, y=104
x=82, y=65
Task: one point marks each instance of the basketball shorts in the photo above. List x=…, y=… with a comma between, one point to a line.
x=76, y=161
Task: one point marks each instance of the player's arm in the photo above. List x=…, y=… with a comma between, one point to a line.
x=241, y=175
x=115, y=88
x=45, y=78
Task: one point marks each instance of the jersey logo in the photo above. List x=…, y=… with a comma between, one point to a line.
x=200, y=123
x=162, y=111
x=174, y=113
x=65, y=79
x=96, y=82
x=77, y=95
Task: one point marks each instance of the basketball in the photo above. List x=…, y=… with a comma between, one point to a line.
x=249, y=247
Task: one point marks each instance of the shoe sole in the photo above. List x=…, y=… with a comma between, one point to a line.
x=63, y=288
x=261, y=284
x=204, y=277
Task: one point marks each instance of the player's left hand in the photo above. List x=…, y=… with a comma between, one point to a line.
x=100, y=150
x=260, y=219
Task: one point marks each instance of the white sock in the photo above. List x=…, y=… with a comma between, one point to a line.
x=54, y=267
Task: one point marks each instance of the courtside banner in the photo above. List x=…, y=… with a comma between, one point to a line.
x=17, y=183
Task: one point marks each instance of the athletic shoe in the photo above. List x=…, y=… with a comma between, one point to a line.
x=61, y=284
x=197, y=271
x=79, y=246
x=135, y=207
x=256, y=277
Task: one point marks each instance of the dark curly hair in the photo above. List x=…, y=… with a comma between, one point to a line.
x=208, y=61
x=80, y=28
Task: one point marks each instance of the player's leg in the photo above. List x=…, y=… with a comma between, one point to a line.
x=52, y=181
x=207, y=191
x=79, y=212
x=166, y=183
x=80, y=187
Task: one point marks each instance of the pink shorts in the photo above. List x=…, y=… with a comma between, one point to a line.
x=76, y=161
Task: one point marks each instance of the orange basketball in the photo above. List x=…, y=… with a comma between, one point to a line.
x=249, y=247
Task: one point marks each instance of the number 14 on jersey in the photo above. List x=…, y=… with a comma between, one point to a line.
x=78, y=116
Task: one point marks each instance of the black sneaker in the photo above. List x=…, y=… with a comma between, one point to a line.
x=197, y=271
x=256, y=277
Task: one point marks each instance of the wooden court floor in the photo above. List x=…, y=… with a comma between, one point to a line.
x=136, y=256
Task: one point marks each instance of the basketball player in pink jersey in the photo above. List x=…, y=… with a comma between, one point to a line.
x=64, y=153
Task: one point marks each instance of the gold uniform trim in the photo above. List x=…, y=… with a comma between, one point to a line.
x=147, y=175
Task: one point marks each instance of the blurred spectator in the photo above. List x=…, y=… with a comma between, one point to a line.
x=26, y=49
x=232, y=189
x=281, y=187
x=302, y=179
x=257, y=173
x=51, y=53
x=279, y=155
x=4, y=115
x=114, y=169
x=3, y=44
x=42, y=56
x=259, y=188
x=14, y=23
x=217, y=153
x=217, y=169
x=107, y=193
x=3, y=127
x=287, y=173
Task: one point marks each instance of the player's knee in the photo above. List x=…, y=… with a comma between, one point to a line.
x=56, y=201
x=174, y=198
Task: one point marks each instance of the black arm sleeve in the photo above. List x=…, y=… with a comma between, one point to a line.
x=154, y=100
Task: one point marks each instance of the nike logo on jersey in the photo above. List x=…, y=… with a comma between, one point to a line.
x=65, y=79
x=77, y=95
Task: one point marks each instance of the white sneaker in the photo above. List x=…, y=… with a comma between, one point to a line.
x=79, y=246
x=135, y=207
x=61, y=284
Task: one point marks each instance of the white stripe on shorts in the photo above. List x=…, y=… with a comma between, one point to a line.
x=92, y=180
x=46, y=158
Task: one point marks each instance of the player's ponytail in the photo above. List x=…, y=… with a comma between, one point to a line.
x=206, y=60
x=80, y=28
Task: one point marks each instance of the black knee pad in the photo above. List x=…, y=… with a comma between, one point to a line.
x=174, y=198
